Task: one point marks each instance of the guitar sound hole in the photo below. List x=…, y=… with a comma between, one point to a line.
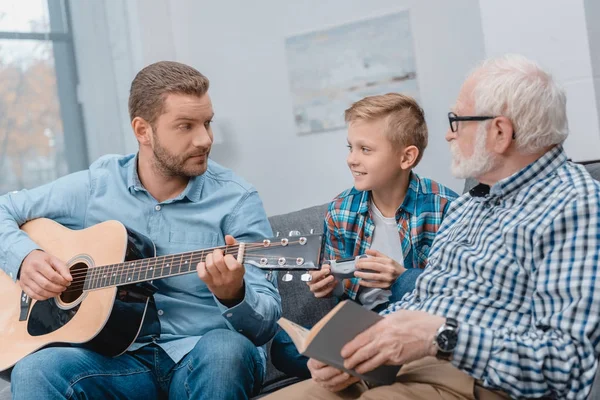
x=74, y=292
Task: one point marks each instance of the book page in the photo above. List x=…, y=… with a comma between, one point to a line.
x=299, y=334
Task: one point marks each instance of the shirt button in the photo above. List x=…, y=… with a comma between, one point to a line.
x=160, y=312
x=229, y=315
x=157, y=208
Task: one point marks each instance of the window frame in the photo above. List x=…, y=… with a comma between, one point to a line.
x=67, y=80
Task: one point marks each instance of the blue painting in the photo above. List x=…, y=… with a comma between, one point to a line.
x=331, y=69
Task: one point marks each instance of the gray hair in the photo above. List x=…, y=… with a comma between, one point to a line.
x=517, y=88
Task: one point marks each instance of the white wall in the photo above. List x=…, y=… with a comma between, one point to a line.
x=555, y=34
x=592, y=14
x=240, y=47
x=97, y=57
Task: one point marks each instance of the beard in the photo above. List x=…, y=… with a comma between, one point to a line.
x=169, y=164
x=480, y=163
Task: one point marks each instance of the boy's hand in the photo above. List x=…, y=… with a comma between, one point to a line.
x=385, y=270
x=322, y=283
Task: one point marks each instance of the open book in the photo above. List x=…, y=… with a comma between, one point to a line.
x=325, y=340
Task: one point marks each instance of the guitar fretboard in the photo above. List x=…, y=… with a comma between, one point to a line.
x=147, y=269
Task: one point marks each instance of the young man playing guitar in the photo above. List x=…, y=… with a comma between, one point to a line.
x=204, y=340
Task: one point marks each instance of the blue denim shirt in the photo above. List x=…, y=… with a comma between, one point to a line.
x=212, y=205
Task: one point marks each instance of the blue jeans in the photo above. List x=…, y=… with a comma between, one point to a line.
x=286, y=358
x=284, y=354
x=223, y=365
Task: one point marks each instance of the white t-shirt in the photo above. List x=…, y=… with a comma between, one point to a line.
x=387, y=241
x=385, y=235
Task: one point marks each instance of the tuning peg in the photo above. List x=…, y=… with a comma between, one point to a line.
x=277, y=234
x=312, y=231
x=287, y=277
x=294, y=233
x=306, y=277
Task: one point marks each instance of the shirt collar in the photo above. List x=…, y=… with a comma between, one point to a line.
x=133, y=179
x=539, y=169
x=412, y=194
x=192, y=191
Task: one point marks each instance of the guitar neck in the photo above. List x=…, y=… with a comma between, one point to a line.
x=152, y=268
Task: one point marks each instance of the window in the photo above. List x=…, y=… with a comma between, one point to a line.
x=41, y=128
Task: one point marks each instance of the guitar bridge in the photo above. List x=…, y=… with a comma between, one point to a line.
x=25, y=305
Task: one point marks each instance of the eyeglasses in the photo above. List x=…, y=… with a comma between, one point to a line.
x=455, y=119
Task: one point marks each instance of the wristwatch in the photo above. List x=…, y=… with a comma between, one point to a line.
x=446, y=339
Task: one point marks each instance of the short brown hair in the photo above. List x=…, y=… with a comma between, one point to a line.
x=405, y=119
x=151, y=85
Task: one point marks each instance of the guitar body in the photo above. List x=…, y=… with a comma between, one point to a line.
x=106, y=320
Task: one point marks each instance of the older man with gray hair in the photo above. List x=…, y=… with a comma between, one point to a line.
x=507, y=305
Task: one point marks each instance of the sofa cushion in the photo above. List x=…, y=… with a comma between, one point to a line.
x=594, y=169
x=298, y=304
x=297, y=301
x=5, y=392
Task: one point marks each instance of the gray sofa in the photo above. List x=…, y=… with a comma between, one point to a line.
x=298, y=303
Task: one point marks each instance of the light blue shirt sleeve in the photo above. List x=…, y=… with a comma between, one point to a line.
x=256, y=316
x=63, y=200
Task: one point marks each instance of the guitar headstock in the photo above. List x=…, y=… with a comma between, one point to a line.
x=294, y=253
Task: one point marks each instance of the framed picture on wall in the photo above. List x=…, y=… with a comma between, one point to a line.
x=330, y=69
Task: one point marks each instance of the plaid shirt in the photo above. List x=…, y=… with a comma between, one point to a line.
x=349, y=227
x=519, y=269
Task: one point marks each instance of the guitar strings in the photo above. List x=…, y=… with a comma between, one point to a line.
x=147, y=267
x=80, y=277
x=232, y=250
x=80, y=284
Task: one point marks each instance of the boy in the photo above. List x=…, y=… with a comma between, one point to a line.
x=391, y=214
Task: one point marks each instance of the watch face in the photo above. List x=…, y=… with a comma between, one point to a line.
x=447, y=340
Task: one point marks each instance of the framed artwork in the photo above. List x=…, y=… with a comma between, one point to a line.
x=330, y=69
